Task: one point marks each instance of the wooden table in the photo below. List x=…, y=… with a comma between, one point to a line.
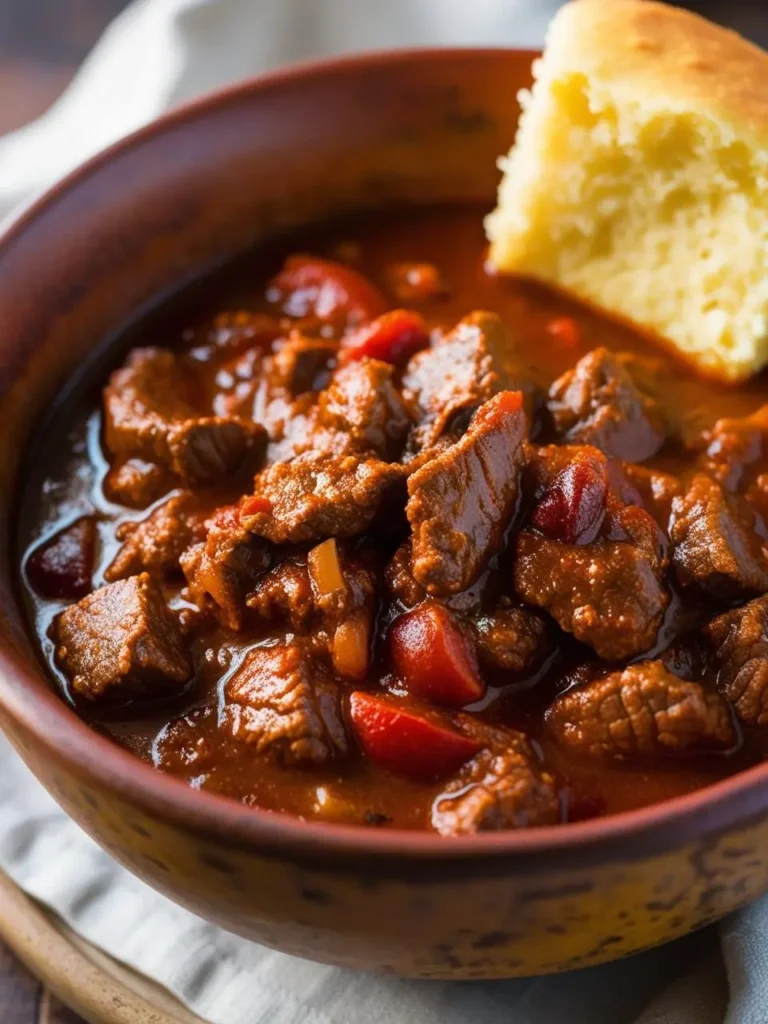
x=41, y=44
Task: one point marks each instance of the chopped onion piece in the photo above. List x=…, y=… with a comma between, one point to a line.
x=352, y=646
x=325, y=568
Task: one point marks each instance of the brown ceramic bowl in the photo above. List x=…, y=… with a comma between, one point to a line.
x=172, y=200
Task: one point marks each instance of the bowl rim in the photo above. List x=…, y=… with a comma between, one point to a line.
x=738, y=800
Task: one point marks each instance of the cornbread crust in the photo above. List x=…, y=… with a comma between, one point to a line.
x=667, y=113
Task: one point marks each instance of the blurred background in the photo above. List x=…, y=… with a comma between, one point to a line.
x=43, y=41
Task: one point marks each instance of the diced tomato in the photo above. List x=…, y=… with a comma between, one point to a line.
x=62, y=567
x=254, y=505
x=434, y=657
x=565, y=330
x=492, y=412
x=573, y=506
x=418, y=746
x=392, y=337
x=307, y=286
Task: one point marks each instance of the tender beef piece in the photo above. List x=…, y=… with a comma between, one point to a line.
x=121, y=643
x=715, y=544
x=512, y=639
x=320, y=494
x=399, y=577
x=156, y=544
x=187, y=743
x=450, y=380
x=136, y=483
x=598, y=403
x=222, y=569
x=364, y=406
x=238, y=331
x=739, y=642
x=609, y=593
x=284, y=703
x=502, y=787
x=643, y=709
x=62, y=567
x=302, y=364
x=656, y=490
x=153, y=410
x=735, y=446
x=461, y=503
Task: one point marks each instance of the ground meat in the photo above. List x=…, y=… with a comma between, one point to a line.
x=734, y=446
x=364, y=406
x=449, y=381
x=608, y=594
x=121, y=643
x=318, y=495
x=715, y=544
x=502, y=787
x=461, y=503
x=598, y=403
x=222, y=569
x=136, y=483
x=283, y=703
x=61, y=568
x=153, y=409
x=739, y=641
x=156, y=544
x=642, y=710
x=512, y=639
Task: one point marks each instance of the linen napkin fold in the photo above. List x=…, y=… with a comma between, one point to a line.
x=155, y=55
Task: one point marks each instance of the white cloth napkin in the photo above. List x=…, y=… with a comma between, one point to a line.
x=156, y=54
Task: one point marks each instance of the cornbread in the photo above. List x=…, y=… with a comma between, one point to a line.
x=639, y=178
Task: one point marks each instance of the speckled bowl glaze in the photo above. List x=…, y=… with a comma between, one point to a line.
x=178, y=197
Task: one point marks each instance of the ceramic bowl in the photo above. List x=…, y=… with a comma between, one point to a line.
x=178, y=197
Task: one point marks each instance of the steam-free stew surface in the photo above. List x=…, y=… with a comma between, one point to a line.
x=522, y=644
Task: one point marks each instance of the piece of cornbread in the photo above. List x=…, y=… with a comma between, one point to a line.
x=639, y=178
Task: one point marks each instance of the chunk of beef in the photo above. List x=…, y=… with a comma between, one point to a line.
x=302, y=364
x=236, y=331
x=399, y=577
x=136, y=483
x=363, y=405
x=656, y=490
x=643, y=709
x=739, y=641
x=318, y=495
x=609, y=593
x=502, y=787
x=62, y=567
x=735, y=446
x=156, y=544
x=450, y=380
x=221, y=569
x=461, y=503
x=153, y=409
x=188, y=743
x=283, y=703
x=121, y=643
x=512, y=639
x=715, y=544
x=598, y=403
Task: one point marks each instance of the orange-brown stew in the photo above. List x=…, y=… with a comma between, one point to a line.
x=390, y=540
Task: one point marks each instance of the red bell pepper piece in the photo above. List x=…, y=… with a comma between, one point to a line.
x=308, y=286
x=420, y=746
x=572, y=508
x=393, y=337
x=434, y=657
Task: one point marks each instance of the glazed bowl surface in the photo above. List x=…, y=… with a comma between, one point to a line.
x=136, y=223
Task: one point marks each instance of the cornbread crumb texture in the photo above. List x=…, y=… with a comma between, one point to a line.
x=639, y=178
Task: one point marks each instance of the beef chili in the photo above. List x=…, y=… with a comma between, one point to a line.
x=359, y=531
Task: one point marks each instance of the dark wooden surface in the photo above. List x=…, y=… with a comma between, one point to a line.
x=41, y=44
